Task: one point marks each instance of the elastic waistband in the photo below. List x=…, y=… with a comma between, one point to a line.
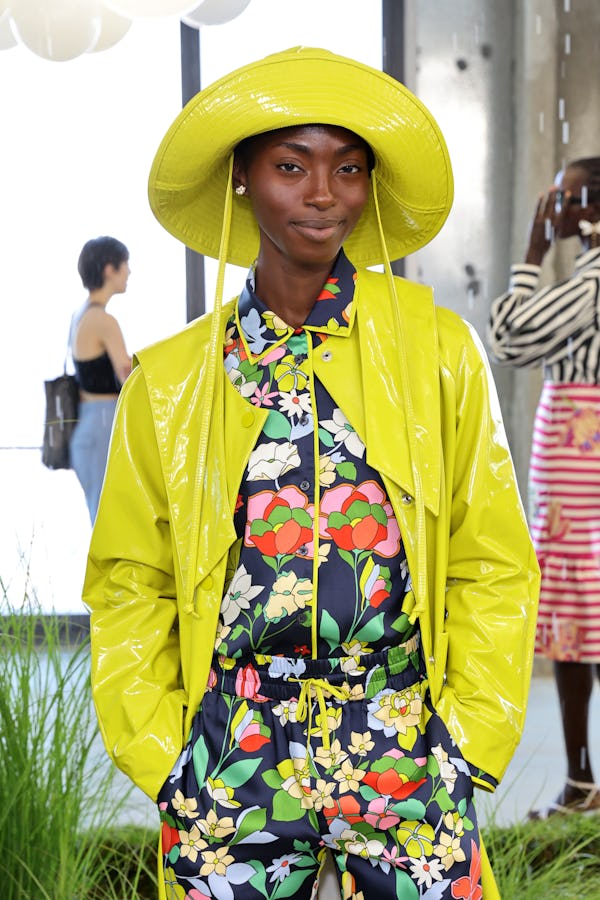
x=281, y=678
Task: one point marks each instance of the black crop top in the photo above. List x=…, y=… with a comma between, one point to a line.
x=97, y=376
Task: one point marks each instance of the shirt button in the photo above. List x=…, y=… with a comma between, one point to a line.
x=327, y=355
x=406, y=498
x=304, y=485
x=247, y=419
x=431, y=659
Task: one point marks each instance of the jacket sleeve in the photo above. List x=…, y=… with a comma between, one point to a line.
x=130, y=590
x=492, y=582
x=530, y=327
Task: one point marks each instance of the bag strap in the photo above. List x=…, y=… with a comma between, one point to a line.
x=68, y=350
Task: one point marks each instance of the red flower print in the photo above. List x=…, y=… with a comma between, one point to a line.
x=247, y=684
x=252, y=738
x=378, y=585
x=330, y=289
x=169, y=837
x=238, y=345
x=392, y=783
x=302, y=650
x=345, y=807
x=280, y=523
x=469, y=887
x=360, y=518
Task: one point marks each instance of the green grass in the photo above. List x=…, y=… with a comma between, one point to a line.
x=58, y=803
x=557, y=859
x=59, y=832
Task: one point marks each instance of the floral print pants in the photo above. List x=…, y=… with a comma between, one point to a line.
x=289, y=757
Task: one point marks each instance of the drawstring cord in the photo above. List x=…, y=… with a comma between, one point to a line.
x=317, y=688
x=215, y=358
x=413, y=450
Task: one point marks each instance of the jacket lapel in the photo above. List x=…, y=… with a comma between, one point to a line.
x=378, y=410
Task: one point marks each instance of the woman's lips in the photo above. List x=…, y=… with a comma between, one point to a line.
x=319, y=229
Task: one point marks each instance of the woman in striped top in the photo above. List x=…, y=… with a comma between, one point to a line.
x=558, y=328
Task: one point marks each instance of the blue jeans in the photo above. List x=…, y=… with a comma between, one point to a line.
x=89, y=448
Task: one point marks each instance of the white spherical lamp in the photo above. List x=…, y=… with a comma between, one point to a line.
x=215, y=12
x=139, y=8
x=58, y=30
x=113, y=27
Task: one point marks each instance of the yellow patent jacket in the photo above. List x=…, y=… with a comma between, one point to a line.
x=156, y=569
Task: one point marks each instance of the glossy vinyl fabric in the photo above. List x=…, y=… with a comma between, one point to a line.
x=188, y=181
x=158, y=555
x=155, y=576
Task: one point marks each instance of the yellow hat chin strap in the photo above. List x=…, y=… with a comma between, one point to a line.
x=215, y=358
x=420, y=580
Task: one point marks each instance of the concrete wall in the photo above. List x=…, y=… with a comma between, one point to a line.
x=514, y=88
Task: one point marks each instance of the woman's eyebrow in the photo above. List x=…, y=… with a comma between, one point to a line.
x=304, y=148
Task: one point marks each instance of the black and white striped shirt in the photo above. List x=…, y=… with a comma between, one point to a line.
x=557, y=327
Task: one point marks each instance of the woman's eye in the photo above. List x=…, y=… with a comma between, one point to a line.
x=350, y=168
x=289, y=167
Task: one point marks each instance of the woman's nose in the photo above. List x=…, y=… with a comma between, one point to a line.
x=319, y=190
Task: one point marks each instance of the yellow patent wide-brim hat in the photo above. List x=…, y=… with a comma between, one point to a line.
x=190, y=177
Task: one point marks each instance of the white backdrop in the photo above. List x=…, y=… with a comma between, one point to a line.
x=77, y=142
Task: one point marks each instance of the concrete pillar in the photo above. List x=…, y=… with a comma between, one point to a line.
x=514, y=89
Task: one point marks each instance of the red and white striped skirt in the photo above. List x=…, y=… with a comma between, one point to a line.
x=564, y=485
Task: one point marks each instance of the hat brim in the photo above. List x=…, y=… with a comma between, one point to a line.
x=189, y=175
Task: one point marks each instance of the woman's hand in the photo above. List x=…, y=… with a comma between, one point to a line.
x=546, y=223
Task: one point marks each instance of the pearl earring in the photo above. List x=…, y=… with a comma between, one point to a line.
x=240, y=190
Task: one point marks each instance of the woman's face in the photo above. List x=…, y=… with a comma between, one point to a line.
x=308, y=186
x=117, y=277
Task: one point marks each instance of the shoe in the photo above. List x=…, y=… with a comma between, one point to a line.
x=587, y=805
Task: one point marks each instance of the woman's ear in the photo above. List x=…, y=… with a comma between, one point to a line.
x=239, y=177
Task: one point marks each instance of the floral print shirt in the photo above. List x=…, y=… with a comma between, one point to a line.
x=319, y=568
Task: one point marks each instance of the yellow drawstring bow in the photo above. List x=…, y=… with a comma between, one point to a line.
x=317, y=688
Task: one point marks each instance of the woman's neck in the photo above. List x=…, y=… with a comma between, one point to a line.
x=288, y=292
x=99, y=297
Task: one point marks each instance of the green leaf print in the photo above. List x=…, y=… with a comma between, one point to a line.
x=255, y=820
x=346, y=556
x=173, y=854
x=286, y=808
x=259, y=880
x=401, y=623
x=330, y=631
x=347, y=471
x=443, y=800
x=290, y=885
x=200, y=760
x=277, y=425
x=239, y=772
x=406, y=889
x=372, y=631
x=326, y=438
x=273, y=779
x=409, y=809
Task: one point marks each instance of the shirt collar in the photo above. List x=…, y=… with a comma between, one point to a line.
x=333, y=312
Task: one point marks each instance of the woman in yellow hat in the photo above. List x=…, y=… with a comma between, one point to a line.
x=311, y=583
